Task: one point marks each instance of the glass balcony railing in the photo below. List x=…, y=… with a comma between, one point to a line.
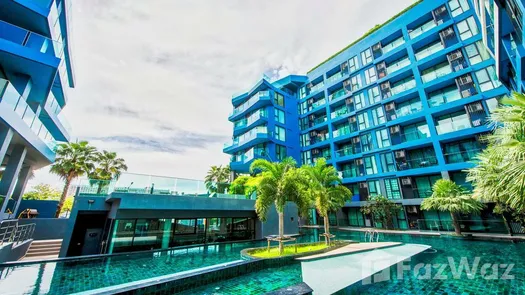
x=11, y=97
x=420, y=193
x=445, y=97
x=129, y=183
x=393, y=45
x=455, y=125
x=394, y=67
x=347, y=151
x=52, y=104
x=421, y=54
x=438, y=72
x=409, y=109
x=350, y=173
x=319, y=138
x=422, y=29
x=461, y=156
x=250, y=120
x=319, y=120
x=31, y=40
x=250, y=135
x=339, y=113
x=319, y=103
x=403, y=87
x=414, y=135
x=342, y=131
x=417, y=163
x=250, y=102
x=334, y=78
x=339, y=93
x=317, y=87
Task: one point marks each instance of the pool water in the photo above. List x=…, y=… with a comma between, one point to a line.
x=87, y=274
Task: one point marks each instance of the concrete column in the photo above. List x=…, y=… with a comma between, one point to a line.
x=6, y=134
x=445, y=175
x=10, y=176
x=166, y=233
x=23, y=178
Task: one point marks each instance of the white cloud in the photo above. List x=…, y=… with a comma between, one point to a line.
x=141, y=65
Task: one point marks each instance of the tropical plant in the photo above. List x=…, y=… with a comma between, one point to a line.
x=448, y=196
x=72, y=160
x=279, y=183
x=217, y=178
x=244, y=185
x=42, y=192
x=382, y=209
x=108, y=167
x=499, y=176
x=325, y=190
x=68, y=205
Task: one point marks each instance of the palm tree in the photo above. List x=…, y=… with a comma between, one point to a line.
x=278, y=183
x=448, y=196
x=217, y=178
x=72, y=160
x=325, y=189
x=109, y=167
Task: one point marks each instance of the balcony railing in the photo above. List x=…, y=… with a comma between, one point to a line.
x=339, y=113
x=254, y=153
x=409, y=110
x=417, y=163
x=413, y=135
x=350, y=173
x=347, y=151
x=339, y=93
x=343, y=131
x=461, y=156
x=403, y=87
x=319, y=103
x=250, y=120
x=31, y=40
x=422, y=29
x=252, y=134
x=317, y=87
x=420, y=193
x=392, y=68
x=393, y=45
x=442, y=98
x=11, y=97
x=455, y=125
x=319, y=138
x=439, y=72
x=334, y=78
x=421, y=54
x=250, y=102
x=129, y=183
x=319, y=120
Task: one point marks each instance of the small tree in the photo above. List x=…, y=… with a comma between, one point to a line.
x=68, y=205
x=216, y=179
x=244, y=185
x=448, y=196
x=108, y=167
x=42, y=192
x=382, y=209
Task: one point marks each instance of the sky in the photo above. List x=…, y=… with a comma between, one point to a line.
x=154, y=79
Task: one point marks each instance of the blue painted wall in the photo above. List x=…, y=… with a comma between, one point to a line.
x=46, y=209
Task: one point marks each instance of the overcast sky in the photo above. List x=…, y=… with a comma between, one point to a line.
x=154, y=79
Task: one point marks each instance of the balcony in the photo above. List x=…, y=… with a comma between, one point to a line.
x=319, y=120
x=30, y=40
x=417, y=163
x=402, y=87
x=420, y=193
x=316, y=88
x=445, y=96
x=254, y=99
x=352, y=172
x=428, y=51
x=393, y=45
x=319, y=138
x=398, y=65
x=457, y=123
x=343, y=131
x=323, y=154
x=462, y=156
x=348, y=151
x=409, y=109
x=422, y=29
x=11, y=99
x=318, y=103
x=334, y=78
x=247, y=122
x=339, y=93
x=414, y=135
x=257, y=132
x=339, y=113
x=436, y=72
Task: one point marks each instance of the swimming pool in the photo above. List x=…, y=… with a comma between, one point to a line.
x=87, y=274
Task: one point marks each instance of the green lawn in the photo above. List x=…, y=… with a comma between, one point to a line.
x=288, y=250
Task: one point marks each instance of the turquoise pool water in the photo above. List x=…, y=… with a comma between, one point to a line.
x=77, y=276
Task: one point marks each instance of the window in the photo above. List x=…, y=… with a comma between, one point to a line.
x=353, y=64
x=387, y=162
x=362, y=120
x=356, y=82
x=370, y=75
x=359, y=101
x=366, y=142
x=303, y=107
x=280, y=152
x=305, y=139
x=477, y=53
x=492, y=104
x=467, y=28
x=279, y=99
x=374, y=96
x=306, y=157
x=487, y=79
x=415, y=131
x=279, y=116
x=373, y=188
x=444, y=95
x=382, y=138
x=378, y=116
x=185, y=226
x=303, y=92
x=280, y=133
x=457, y=7
x=393, y=191
x=452, y=122
x=366, y=56
x=370, y=165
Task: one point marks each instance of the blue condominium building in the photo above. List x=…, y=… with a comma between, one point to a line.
x=398, y=109
x=35, y=71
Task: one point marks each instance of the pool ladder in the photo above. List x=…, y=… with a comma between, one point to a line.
x=372, y=236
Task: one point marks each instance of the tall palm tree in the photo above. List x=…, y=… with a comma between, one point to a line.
x=72, y=160
x=279, y=183
x=217, y=178
x=325, y=189
x=109, y=167
x=448, y=196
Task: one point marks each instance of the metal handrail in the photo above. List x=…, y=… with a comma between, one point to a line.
x=12, y=232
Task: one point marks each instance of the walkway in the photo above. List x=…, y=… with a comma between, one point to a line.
x=352, y=248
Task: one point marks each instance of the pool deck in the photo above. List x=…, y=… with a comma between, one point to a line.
x=352, y=248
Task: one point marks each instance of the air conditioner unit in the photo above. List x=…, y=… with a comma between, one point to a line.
x=359, y=162
x=390, y=106
x=381, y=66
x=311, y=117
x=313, y=133
x=377, y=47
x=455, y=55
x=458, y=67
x=340, y=174
x=440, y=10
x=363, y=185
x=447, y=32
x=344, y=66
x=393, y=117
x=399, y=154
x=411, y=209
x=352, y=119
x=476, y=123
x=310, y=101
x=464, y=80
x=406, y=181
x=385, y=86
x=475, y=107
x=395, y=129
x=315, y=151
x=356, y=140
x=346, y=83
x=466, y=93
x=349, y=101
x=310, y=85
